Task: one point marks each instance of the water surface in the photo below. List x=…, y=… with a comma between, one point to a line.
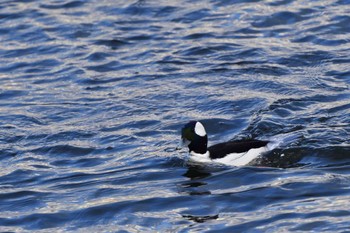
x=93, y=95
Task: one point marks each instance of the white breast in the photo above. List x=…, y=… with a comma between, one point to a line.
x=200, y=158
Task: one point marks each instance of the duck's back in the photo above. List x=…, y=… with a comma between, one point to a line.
x=223, y=149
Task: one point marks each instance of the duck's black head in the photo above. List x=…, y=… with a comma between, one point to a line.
x=195, y=137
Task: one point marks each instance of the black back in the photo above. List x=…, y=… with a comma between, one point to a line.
x=222, y=149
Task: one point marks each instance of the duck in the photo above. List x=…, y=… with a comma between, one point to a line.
x=233, y=153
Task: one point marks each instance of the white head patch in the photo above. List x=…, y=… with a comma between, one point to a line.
x=199, y=129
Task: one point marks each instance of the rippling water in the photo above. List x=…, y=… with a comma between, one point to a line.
x=93, y=95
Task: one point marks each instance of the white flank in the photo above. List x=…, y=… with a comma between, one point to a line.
x=234, y=159
x=245, y=158
x=242, y=159
x=199, y=129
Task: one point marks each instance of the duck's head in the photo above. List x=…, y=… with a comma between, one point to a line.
x=195, y=137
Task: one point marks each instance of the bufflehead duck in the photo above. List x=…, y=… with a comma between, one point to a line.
x=235, y=153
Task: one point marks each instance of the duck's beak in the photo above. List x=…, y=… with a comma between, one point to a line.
x=183, y=143
x=179, y=146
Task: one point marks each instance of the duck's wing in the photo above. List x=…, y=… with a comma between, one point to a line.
x=222, y=149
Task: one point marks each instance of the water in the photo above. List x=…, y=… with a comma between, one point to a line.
x=93, y=95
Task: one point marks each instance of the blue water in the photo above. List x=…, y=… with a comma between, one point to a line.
x=93, y=95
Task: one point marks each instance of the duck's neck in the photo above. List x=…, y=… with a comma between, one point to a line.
x=199, y=145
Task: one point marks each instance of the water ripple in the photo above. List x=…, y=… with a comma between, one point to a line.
x=94, y=94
